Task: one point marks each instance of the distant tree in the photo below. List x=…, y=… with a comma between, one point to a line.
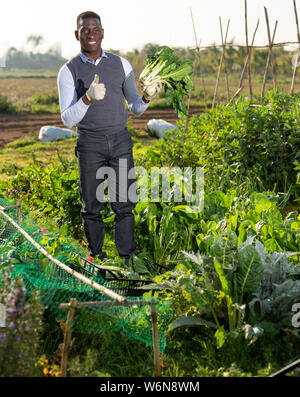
x=149, y=49
x=34, y=40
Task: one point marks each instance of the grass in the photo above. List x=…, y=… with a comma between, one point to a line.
x=9, y=73
x=21, y=152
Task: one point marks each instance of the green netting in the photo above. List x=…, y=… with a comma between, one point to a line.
x=57, y=286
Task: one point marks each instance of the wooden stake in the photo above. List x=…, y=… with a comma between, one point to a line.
x=19, y=211
x=235, y=95
x=156, y=352
x=298, y=51
x=220, y=63
x=198, y=56
x=267, y=67
x=271, y=46
x=248, y=56
x=248, y=51
x=201, y=75
x=224, y=56
x=67, y=337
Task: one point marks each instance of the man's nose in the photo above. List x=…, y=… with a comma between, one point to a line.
x=91, y=35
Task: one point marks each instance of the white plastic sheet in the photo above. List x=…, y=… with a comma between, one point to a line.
x=49, y=133
x=159, y=126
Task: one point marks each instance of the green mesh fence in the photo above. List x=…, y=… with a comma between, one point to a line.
x=57, y=286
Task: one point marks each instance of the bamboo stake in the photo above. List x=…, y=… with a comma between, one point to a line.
x=156, y=353
x=286, y=369
x=198, y=55
x=248, y=56
x=201, y=76
x=224, y=56
x=105, y=303
x=261, y=47
x=266, y=69
x=63, y=266
x=67, y=337
x=219, y=71
x=235, y=95
x=298, y=52
x=19, y=212
x=73, y=304
x=248, y=51
x=270, y=47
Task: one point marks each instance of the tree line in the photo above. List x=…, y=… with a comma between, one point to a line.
x=208, y=64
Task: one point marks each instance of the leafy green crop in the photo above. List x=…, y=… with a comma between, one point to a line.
x=166, y=68
x=243, y=141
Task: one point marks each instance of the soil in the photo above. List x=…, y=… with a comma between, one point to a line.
x=15, y=126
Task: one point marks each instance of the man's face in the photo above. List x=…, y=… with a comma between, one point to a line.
x=90, y=35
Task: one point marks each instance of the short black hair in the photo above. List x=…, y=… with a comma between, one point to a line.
x=87, y=14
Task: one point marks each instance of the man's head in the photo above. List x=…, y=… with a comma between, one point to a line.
x=89, y=33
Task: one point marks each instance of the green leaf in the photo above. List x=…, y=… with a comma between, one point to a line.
x=189, y=321
x=220, y=336
x=224, y=247
x=250, y=269
x=261, y=202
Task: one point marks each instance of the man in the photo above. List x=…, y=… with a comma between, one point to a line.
x=92, y=87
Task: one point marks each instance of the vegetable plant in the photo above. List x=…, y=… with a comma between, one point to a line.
x=164, y=67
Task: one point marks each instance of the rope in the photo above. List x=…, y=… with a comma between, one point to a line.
x=77, y=275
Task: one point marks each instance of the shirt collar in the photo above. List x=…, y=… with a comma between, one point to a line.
x=94, y=62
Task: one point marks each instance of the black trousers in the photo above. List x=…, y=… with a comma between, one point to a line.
x=107, y=157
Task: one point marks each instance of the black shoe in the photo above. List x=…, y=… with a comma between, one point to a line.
x=101, y=272
x=101, y=256
x=127, y=259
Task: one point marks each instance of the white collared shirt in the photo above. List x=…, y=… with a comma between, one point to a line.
x=73, y=109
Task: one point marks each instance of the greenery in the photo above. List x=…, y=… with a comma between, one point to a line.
x=241, y=141
x=231, y=271
x=20, y=339
x=6, y=106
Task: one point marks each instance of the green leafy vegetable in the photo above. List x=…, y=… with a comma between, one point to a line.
x=165, y=68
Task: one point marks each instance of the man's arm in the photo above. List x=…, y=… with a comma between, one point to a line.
x=72, y=110
x=136, y=103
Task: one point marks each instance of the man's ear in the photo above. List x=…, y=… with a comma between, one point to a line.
x=76, y=35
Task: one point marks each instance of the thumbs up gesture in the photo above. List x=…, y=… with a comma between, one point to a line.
x=96, y=91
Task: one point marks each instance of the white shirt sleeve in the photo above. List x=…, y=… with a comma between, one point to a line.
x=72, y=110
x=135, y=102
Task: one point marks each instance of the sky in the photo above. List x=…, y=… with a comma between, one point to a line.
x=131, y=24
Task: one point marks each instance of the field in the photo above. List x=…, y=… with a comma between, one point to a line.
x=26, y=124
x=19, y=89
x=232, y=269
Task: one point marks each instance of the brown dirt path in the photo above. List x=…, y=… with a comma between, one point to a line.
x=15, y=126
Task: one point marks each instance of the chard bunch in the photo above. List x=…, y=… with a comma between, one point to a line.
x=164, y=67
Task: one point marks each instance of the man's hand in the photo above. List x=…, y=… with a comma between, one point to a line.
x=96, y=91
x=151, y=92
